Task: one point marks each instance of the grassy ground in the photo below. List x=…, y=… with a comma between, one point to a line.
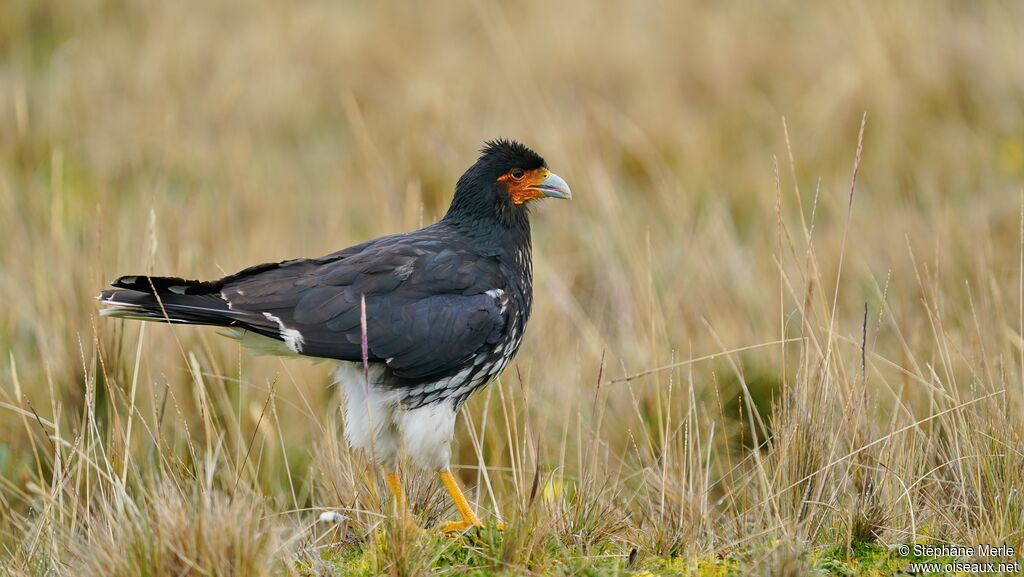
x=739, y=362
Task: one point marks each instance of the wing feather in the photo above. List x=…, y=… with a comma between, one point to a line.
x=427, y=307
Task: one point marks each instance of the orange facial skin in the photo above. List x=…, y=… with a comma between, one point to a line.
x=526, y=187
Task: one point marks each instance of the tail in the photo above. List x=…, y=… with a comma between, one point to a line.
x=170, y=300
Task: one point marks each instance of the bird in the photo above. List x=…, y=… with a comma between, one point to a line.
x=415, y=322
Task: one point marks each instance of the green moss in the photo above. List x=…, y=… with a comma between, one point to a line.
x=863, y=559
x=706, y=566
x=337, y=561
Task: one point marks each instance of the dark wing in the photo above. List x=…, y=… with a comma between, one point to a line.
x=428, y=308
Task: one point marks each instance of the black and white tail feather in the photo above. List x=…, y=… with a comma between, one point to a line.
x=190, y=302
x=166, y=299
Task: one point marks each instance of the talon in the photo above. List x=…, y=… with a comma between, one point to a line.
x=459, y=526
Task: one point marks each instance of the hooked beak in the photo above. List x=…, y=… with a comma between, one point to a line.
x=553, y=186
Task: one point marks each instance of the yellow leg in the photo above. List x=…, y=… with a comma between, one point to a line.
x=396, y=490
x=469, y=518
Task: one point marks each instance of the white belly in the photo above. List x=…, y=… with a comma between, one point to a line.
x=376, y=422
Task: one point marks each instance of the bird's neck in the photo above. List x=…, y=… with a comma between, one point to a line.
x=505, y=238
x=503, y=231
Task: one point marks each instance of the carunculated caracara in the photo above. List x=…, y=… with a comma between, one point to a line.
x=434, y=314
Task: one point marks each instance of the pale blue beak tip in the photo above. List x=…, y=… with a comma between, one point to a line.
x=554, y=187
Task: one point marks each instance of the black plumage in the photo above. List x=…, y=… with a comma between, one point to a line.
x=446, y=306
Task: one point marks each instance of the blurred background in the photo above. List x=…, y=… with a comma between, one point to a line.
x=709, y=147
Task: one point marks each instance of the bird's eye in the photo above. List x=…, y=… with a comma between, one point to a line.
x=517, y=173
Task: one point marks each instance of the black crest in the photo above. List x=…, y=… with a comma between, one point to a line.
x=479, y=194
x=509, y=154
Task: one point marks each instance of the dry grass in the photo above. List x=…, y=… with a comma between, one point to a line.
x=815, y=369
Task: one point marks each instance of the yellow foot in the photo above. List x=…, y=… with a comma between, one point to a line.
x=459, y=526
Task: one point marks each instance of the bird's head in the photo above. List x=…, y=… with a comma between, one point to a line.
x=505, y=178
